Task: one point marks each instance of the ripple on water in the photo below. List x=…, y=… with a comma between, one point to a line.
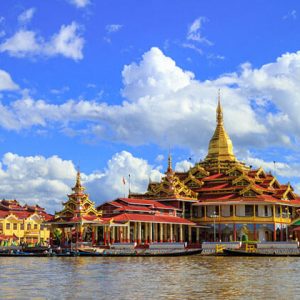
x=191, y=277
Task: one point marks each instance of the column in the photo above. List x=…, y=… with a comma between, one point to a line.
x=96, y=234
x=113, y=231
x=180, y=233
x=197, y=235
x=150, y=233
x=274, y=233
x=234, y=231
x=161, y=233
x=190, y=234
x=171, y=233
x=183, y=209
x=165, y=235
x=155, y=232
x=139, y=240
x=104, y=235
x=219, y=232
x=146, y=238
x=93, y=235
x=255, y=233
x=135, y=232
x=128, y=233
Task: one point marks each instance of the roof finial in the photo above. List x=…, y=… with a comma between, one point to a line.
x=219, y=109
x=78, y=187
x=169, y=162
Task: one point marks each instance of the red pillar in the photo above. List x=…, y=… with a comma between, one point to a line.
x=104, y=235
x=93, y=237
x=234, y=232
x=274, y=233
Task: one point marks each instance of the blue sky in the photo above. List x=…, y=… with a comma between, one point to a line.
x=110, y=85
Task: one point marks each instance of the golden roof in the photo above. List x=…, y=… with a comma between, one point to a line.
x=220, y=146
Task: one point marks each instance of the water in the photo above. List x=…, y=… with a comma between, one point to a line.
x=194, y=277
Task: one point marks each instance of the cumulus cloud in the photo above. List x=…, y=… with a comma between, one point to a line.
x=6, y=82
x=26, y=16
x=80, y=3
x=47, y=181
x=183, y=166
x=67, y=42
x=166, y=105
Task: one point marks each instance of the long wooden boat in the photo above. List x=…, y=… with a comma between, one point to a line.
x=106, y=253
x=231, y=252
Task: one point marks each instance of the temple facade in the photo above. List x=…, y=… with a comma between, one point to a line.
x=217, y=199
x=226, y=199
x=22, y=224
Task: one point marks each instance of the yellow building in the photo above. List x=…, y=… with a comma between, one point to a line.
x=22, y=224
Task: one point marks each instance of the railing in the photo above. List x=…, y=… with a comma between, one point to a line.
x=243, y=219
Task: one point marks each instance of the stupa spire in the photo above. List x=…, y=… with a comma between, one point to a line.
x=169, y=170
x=219, y=110
x=78, y=188
x=220, y=146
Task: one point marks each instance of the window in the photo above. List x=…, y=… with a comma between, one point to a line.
x=7, y=226
x=22, y=226
x=249, y=210
x=28, y=226
x=35, y=226
x=1, y=226
x=266, y=210
x=15, y=226
x=231, y=210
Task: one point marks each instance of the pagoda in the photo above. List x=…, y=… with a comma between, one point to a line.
x=225, y=198
x=79, y=218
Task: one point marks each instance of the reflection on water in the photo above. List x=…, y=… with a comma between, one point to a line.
x=192, y=277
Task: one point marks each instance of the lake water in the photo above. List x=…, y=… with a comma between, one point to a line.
x=194, y=277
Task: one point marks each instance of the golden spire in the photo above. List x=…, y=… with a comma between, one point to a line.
x=219, y=110
x=169, y=163
x=78, y=188
x=220, y=146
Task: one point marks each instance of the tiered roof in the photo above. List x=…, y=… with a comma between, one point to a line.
x=123, y=210
x=78, y=208
x=16, y=210
x=221, y=178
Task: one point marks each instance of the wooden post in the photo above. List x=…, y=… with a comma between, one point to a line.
x=161, y=233
x=150, y=233
x=128, y=233
x=139, y=240
x=180, y=233
x=171, y=233
x=234, y=232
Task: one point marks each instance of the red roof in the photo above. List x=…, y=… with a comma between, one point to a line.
x=151, y=218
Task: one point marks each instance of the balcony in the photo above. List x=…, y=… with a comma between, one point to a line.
x=243, y=219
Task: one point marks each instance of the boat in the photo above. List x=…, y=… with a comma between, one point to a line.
x=238, y=252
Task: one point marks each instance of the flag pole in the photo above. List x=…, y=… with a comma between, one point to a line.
x=129, y=185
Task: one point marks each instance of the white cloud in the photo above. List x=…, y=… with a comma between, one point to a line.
x=166, y=105
x=80, y=3
x=6, y=82
x=183, y=166
x=121, y=165
x=47, y=181
x=26, y=16
x=110, y=28
x=194, y=32
x=67, y=42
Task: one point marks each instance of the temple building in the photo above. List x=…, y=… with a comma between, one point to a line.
x=22, y=224
x=217, y=199
x=79, y=218
x=226, y=199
